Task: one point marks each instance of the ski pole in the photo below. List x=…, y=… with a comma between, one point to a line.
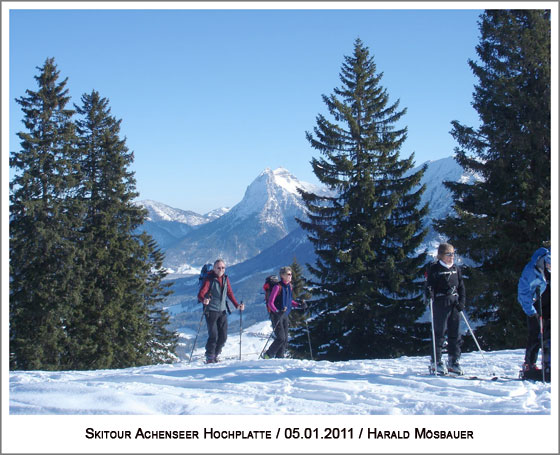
x=269, y=336
x=197, y=332
x=542, y=332
x=308, y=334
x=433, y=334
x=309, y=340
x=240, y=329
x=477, y=345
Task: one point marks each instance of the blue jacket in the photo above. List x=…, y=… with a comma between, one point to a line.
x=531, y=278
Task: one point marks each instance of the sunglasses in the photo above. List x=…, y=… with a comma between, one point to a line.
x=449, y=254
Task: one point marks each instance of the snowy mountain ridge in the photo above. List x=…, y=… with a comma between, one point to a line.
x=265, y=215
x=157, y=211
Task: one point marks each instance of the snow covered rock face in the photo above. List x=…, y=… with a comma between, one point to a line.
x=265, y=215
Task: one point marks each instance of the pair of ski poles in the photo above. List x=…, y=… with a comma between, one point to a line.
x=200, y=323
x=470, y=330
x=274, y=330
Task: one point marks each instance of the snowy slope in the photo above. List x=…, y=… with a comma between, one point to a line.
x=281, y=386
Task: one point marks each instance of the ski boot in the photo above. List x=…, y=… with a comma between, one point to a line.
x=440, y=369
x=454, y=367
x=530, y=371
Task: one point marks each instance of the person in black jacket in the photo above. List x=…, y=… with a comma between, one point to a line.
x=445, y=286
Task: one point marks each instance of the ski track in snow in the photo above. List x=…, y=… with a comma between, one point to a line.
x=282, y=386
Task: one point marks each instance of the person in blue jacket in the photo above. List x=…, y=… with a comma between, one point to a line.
x=533, y=293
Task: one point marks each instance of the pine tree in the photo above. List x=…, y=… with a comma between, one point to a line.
x=120, y=322
x=367, y=275
x=43, y=225
x=162, y=343
x=501, y=220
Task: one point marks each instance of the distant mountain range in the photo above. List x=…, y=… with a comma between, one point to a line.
x=167, y=225
x=265, y=215
x=259, y=234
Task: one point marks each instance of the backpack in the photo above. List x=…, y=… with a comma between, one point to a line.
x=269, y=283
x=204, y=272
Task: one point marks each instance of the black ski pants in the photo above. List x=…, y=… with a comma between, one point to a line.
x=534, y=340
x=281, y=324
x=446, y=321
x=217, y=324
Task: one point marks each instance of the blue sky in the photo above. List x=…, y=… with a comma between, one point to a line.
x=210, y=98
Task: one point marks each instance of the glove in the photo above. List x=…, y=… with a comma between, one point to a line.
x=460, y=306
x=429, y=294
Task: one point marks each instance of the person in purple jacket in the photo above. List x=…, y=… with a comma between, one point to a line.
x=280, y=303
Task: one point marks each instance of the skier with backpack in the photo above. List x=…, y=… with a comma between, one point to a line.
x=214, y=294
x=279, y=305
x=446, y=289
x=533, y=293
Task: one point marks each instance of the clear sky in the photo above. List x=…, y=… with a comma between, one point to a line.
x=209, y=98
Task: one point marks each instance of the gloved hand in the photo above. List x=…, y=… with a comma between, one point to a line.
x=429, y=295
x=460, y=306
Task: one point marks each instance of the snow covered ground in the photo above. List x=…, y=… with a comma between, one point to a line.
x=251, y=394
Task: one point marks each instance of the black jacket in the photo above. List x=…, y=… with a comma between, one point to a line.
x=446, y=284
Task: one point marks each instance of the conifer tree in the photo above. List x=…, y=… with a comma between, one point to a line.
x=162, y=343
x=501, y=220
x=44, y=220
x=367, y=274
x=123, y=271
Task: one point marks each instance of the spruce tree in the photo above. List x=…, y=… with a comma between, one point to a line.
x=120, y=320
x=501, y=220
x=44, y=220
x=162, y=343
x=367, y=277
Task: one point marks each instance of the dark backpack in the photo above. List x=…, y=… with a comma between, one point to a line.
x=204, y=272
x=269, y=283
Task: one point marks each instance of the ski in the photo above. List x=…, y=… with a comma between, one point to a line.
x=467, y=377
x=474, y=378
